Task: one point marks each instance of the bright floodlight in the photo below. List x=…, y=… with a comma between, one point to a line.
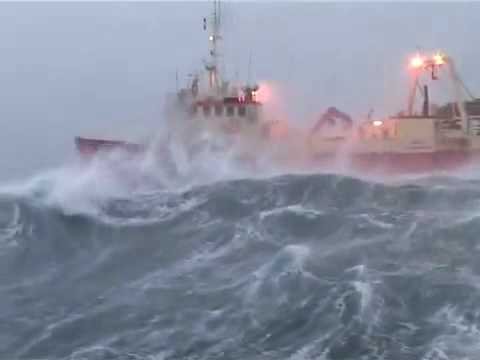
x=417, y=62
x=438, y=59
x=378, y=123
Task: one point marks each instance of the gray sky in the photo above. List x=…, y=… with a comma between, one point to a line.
x=103, y=68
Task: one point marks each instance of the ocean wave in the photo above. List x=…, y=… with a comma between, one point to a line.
x=95, y=266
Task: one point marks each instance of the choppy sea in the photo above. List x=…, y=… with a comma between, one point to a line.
x=133, y=263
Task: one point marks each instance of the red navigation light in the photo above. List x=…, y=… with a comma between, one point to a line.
x=417, y=62
x=264, y=93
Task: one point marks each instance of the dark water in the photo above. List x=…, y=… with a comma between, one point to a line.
x=286, y=267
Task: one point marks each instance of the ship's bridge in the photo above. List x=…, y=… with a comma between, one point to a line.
x=229, y=107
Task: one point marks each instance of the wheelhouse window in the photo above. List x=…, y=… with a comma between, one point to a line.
x=230, y=110
x=218, y=110
x=242, y=111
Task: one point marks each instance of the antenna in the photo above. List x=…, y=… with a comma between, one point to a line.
x=370, y=113
x=249, y=66
x=176, y=80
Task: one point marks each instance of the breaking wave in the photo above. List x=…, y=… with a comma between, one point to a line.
x=98, y=263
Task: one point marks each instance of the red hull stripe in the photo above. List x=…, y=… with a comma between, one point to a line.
x=386, y=163
x=401, y=162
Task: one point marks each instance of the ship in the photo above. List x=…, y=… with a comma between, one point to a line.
x=423, y=139
x=209, y=111
x=226, y=117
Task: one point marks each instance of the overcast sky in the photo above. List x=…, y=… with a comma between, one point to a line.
x=104, y=68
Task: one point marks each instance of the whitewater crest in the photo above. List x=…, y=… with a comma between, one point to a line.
x=85, y=187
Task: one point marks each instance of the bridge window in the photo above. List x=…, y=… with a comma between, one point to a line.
x=219, y=110
x=242, y=111
x=230, y=111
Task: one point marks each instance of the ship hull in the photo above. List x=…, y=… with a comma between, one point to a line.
x=399, y=163
x=369, y=163
x=89, y=147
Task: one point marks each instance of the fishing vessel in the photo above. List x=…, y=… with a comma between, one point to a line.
x=422, y=139
x=213, y=112
x=208, y=111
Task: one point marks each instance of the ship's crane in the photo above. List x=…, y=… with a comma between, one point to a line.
x=330, y=117
x=421, y=64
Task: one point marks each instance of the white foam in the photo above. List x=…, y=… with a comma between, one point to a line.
x=10, y=229
x=297, y=209
x=365, y=290
x=82, y=187
x=459, y=338
x=297, y=255
x=75, y=189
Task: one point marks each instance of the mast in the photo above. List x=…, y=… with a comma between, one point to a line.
x=214, y=37
x=421, y=64
x=458, y=94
